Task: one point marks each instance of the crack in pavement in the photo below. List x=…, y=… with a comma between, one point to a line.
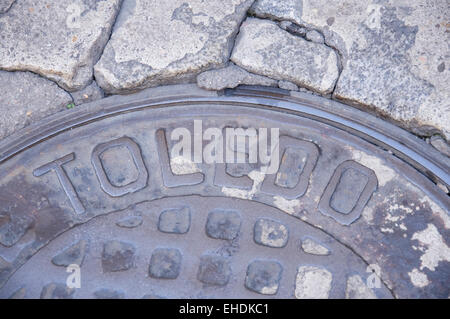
x=295, y=32
x=6, y=9
x=326, y=43
x=238, y=30
x=113, y=25
x=42, y=77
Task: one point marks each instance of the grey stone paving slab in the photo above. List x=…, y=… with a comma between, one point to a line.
x=315, y=36
x=158, y=42
x=90, y=93
x=27, y=97
x=60, y=40
x=231, y=77
x=286, y=85
x=262, y=47
x=395, y=54
x=289, y=10
x=5, y=5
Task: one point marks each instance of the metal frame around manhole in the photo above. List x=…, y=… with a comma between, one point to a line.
x=399, y=142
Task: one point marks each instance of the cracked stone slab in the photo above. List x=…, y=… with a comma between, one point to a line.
x=289, y=10
x=315, y=36
x=156, y=42
x=27, y=97
x=231, y=77
x=262, y=47
x=60, y=40
x=394, y=54
x=5, y=5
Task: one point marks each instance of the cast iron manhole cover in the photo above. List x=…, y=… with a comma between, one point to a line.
x=95, y=197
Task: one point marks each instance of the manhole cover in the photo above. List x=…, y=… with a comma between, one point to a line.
x=95, y=198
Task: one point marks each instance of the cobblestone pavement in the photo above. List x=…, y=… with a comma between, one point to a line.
x=388, y=58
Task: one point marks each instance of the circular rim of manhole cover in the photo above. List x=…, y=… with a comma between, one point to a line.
x=397, y=205
x=401, y=143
